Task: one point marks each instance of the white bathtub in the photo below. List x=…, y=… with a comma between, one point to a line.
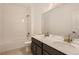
x=11, y=44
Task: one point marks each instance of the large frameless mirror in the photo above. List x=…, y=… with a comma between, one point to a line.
x=62, y=20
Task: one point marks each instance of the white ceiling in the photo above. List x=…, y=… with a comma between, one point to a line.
x=42, y=6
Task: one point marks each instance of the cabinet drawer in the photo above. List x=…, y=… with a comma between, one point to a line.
x=51, y=50
x=37, y=42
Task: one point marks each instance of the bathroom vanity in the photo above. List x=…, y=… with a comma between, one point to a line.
x=40, y=48
x=53, y=45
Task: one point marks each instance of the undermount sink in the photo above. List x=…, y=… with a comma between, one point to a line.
x=64, y=45
x=69, y=48
x=74, y=45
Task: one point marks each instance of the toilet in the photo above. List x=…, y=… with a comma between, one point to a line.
x=28, y=44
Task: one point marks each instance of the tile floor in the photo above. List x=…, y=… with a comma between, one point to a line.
x=18, y=51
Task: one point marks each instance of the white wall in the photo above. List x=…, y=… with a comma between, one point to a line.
x=37, y=11
x=36, y=17
x=13, y=27
x=0, y=23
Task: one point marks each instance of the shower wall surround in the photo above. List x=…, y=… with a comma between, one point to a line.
x=12, y=26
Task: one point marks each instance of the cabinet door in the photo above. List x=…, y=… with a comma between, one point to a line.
x=36, y=47
x=51, y=50
x=45, y=53
x=33, y=48
x=39, y=50
x=36, y=50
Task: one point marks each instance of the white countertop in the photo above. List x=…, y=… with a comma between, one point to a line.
x=58, y=43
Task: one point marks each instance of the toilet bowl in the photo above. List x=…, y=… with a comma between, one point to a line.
x=28, y=43
x=28, y=46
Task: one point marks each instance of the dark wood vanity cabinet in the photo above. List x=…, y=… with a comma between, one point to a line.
x=36, y=47
x=33, y=48
x=45, y=52
x=39, y=48
x=51, y=50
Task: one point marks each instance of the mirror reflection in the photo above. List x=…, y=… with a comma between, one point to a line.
x=62, y=20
